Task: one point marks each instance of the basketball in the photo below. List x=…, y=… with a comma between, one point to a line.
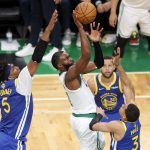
x=86, y=12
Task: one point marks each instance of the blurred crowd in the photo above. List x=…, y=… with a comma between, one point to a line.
x=36, y=14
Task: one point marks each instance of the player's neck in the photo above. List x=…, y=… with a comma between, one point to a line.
x=107, y=81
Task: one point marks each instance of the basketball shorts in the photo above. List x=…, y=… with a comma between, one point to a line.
x=89, y=140
x=128, y=19
x=9, y=143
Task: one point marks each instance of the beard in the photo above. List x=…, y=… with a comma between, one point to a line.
x=107, y=76
x=67, y=66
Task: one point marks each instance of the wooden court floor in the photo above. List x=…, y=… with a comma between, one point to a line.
x=50, y=128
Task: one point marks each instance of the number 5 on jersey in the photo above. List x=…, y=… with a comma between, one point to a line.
x=6, y=105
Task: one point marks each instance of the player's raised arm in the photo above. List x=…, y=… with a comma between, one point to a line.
x=126, y=82
x=42, y=45
x=84, y=59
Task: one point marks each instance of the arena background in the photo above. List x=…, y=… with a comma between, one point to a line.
x=50, y=128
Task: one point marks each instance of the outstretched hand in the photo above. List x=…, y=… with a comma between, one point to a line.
x=95, y=34
x=50, y=26
x=76, y=21
x=52, y=21
x=116, y=57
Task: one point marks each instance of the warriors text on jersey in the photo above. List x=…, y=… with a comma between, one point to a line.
x=131, y=138
x=16, y=108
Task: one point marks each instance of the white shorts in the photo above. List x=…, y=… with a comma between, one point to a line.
x=128, y=19
x=89, y=140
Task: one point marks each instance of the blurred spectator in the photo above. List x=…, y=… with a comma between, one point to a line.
x=25, y=7
x=131, y=13
x=103, y=9
x=41, y=10
x=65, y=16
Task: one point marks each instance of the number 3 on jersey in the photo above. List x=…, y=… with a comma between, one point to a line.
x=135, y=139
x=6, y=105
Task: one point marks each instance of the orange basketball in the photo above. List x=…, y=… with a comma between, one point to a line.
x=86, y=12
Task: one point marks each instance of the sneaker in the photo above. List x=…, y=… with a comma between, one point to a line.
x=27, y=50
x=134, y=39
x=109, y=38
x=78, y=42
x=67, y=38
x=48, y=56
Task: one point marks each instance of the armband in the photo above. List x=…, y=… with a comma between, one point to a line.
x=39, y=51
x=95, y=120
x=98, y=59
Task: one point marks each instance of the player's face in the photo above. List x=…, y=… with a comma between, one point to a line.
x=66, y=61
x=14, y=72
x=108, y=68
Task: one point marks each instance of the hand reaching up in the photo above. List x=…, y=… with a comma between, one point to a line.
x=50, y=26
x=116, y=57
x=95, y=34
x=52, y=21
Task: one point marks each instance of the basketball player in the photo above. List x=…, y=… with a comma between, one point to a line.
x=16, y=101
x=126, y=132
x=132, y=12
x=107, y=89
x=79, y=94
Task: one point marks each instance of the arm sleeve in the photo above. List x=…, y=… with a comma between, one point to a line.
x=95, y=120
x=98, y=59
x=24, y=82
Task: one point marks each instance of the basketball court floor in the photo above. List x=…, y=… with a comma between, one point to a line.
x=50, y=128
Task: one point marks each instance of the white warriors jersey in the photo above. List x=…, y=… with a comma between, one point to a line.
x=81, y=99
x=140, y=4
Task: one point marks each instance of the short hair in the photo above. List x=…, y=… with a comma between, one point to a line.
x=132, y=113
x=55, y=59
x=3, y=68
